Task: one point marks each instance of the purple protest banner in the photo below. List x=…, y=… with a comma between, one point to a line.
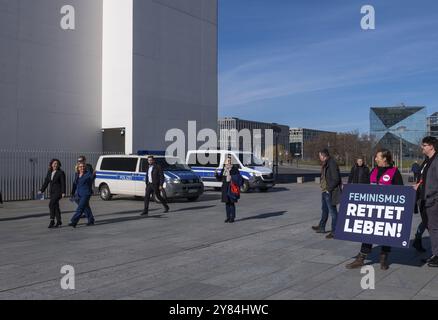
x=376, y=214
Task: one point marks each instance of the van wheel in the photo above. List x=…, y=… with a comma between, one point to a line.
x=245, y=187
x=105, y=193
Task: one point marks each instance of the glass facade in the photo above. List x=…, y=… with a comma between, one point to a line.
x=399, y=128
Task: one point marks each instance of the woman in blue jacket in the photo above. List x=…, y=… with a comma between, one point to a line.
x=82, y=192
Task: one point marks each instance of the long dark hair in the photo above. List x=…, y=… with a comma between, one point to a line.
x=51, y=163
x=387, y=155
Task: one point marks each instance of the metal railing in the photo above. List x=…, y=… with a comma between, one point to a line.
x=22, y=172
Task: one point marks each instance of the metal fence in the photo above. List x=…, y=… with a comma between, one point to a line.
x=22, y=172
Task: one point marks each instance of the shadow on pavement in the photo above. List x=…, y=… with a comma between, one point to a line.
x=33, y=216
x=127, y=219
x=276, y=189
x=194, y=208
x=264, y=216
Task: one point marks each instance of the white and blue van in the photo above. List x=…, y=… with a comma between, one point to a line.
x=255, y=174
x=125, y=175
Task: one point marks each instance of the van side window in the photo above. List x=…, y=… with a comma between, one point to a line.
x=119, y=164
x=194, y=160
x=143, y=165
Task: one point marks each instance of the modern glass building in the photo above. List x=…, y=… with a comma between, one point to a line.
x=399, y=129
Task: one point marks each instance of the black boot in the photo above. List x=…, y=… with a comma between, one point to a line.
x=384, y=261
x=58, y=224
x=52, y=224
x=418, y=245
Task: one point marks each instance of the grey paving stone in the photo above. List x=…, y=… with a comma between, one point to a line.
x=387, y=293
x=271, y=253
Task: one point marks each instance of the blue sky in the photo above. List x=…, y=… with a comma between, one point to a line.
x=309, y=63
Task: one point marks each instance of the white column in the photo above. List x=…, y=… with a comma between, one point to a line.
x=117, y=62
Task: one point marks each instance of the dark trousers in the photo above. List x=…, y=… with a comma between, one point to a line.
x=366, y=248
x=83, y=207
x=423, y=224
x=327, y=208
x=150, y=190
x=55, y=211
x=432, y=226
x=230, y=208
x=1, y=198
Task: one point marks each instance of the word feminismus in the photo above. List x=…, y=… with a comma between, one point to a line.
x=370, y=197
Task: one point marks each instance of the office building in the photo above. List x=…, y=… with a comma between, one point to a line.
x=432, y=125
x=300, y=137
x=258, y=134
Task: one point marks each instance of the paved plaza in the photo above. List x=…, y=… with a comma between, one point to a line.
x=189, y=253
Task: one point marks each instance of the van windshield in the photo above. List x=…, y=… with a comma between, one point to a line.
x=250, y=160
x=177, y=166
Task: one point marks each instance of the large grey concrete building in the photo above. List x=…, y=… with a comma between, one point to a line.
x=50, y=78
x=130, y=71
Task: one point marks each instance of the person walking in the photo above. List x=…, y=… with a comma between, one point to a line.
x=331, y=187
x=231, y=183
x=82, y=192
x=419, y=202
x=55, y=178
x=384, y=174
x=89, y=168
x=428, y=192
x=416, y=170
x=154, y=185
x=360, y=173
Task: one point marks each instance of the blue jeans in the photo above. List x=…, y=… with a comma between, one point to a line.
x=83, y=207
x=327, y=208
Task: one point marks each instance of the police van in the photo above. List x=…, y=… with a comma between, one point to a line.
x=254, y=173
x=125, y=175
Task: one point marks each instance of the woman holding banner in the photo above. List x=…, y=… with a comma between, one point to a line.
x=384, y=174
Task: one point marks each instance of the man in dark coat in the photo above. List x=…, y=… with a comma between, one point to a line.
x=360, y=173
x=331, y=187
x=154, y=185
x=427, y=188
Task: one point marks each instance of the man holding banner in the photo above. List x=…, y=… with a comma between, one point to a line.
x=379, y=213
